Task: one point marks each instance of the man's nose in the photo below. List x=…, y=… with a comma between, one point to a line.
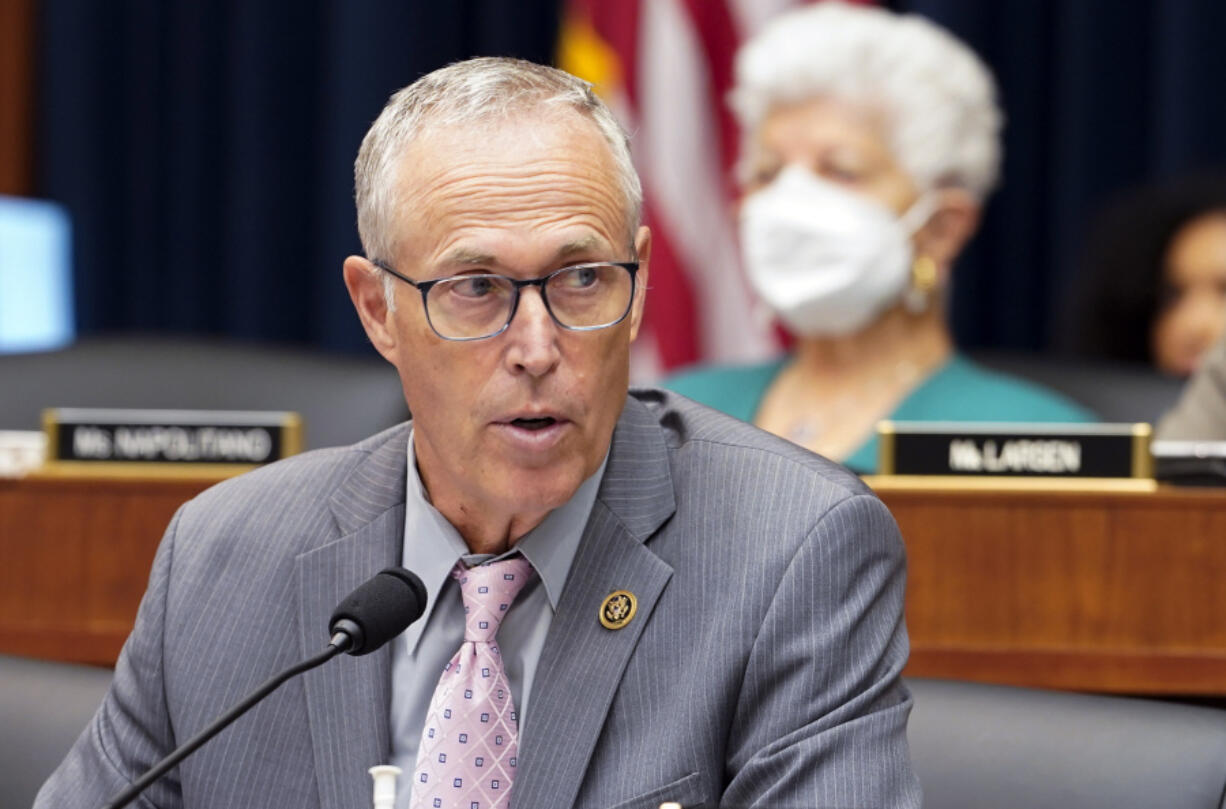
x=533, y=336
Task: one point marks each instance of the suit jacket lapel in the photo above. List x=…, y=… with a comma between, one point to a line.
x=582, y=663
x=348, y=699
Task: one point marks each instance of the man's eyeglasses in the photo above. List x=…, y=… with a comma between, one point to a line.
x=584, y=297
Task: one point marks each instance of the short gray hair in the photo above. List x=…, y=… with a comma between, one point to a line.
x=938, y=97
x=477, y=90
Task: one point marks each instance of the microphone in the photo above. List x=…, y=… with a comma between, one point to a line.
x=378, y=610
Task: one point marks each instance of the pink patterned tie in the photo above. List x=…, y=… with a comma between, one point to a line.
x=466, y=759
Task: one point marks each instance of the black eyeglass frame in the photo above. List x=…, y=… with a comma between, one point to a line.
x=424, y=287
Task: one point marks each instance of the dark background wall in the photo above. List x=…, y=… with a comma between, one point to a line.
x=1099, y=95
x=16, y=91
x=205, y=150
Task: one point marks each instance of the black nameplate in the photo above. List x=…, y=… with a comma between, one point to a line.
x=1015, y=450
x=1190, y=463
x=212, y=437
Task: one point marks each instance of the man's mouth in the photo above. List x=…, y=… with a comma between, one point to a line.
x=534, y=424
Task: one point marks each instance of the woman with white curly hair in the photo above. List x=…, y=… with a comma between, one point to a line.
x=870, y=141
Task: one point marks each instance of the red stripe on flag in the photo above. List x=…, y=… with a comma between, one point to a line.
x=718, y=37
x=617, y=21
x=670, y=314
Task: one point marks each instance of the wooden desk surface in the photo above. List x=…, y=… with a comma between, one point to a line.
x=75, y=555
x=1122, y=592
x=1119, y=592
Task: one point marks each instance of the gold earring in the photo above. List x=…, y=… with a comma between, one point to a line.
x=923, y=274
x=924, y=277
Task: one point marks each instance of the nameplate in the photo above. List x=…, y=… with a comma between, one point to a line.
x=1015, y=450
x=1190, y=463
x=208, y=438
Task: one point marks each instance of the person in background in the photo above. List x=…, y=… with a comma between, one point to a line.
x=1200, y=413
x=870, y=141
x=1151, y=287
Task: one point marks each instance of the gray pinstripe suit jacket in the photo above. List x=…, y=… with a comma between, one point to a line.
x=762, y=667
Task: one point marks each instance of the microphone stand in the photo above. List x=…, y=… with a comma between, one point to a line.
x=340, y=642
x=369, y=617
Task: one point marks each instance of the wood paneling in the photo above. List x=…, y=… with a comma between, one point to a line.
x=16, y=96
x=1117, y=592
x=75, y=558
x=1101, y=591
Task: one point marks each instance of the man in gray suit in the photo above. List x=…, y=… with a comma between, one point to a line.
x=713, y=615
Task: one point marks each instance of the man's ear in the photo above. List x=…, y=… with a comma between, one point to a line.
x=365, y=285
x=954, y=220
x=642, y=248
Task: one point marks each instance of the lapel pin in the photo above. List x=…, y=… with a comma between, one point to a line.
x=617, y=609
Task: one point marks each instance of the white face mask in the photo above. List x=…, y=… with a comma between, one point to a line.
x=825, y=259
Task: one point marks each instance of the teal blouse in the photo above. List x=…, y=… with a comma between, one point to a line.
x=958, y=391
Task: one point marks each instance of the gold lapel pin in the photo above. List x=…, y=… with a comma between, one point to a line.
x=617, y=609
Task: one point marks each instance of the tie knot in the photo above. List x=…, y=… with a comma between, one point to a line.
x=488, y=591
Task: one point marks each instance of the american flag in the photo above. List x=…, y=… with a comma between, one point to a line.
x=665, y=68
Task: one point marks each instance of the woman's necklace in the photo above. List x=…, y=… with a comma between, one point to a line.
x=851, y=413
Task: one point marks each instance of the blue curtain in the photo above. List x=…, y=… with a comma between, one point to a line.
x=205, y=150
x=1099, y=95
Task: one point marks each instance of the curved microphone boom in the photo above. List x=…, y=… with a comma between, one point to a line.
x=378, y=610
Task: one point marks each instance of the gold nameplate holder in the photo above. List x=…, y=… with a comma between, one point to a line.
x=967, y=455
x=124, y=442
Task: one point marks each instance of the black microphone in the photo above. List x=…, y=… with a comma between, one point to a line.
x=378, y=610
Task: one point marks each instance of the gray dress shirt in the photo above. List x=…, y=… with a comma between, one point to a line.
x=431, y=548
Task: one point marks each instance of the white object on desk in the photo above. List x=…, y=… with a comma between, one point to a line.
x=385, y=785
x=20, y=452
